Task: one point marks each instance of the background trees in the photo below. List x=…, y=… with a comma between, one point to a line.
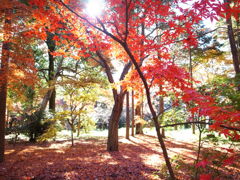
x=16, y=56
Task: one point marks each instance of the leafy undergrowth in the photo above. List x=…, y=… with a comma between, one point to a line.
x=138, y=158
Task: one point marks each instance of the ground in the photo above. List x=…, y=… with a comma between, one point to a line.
x=138, y=158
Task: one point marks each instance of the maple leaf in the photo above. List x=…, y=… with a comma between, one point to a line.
x=202, y=163
x=229, y=161
x=205, y=177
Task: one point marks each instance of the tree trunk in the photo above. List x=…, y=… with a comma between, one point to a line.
x=175, y=127
x=191, y=78
x=3, y=97
x=161, y=109
x=51, y=47
x=112, y=143
x=232, y=42
x=133, y=120
x=142, y=105
x=163, y=133
x=45, y=100
x=127, y=116
x=3, y=82
x=154, y=115
x=139, y=128
x=193, y=126
x=139, y=125
x=238, y=37
x=49, y=93
x=52, y=101
x=78, y=125
x=72, y=135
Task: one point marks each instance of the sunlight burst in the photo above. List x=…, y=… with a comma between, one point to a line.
x=94, y=8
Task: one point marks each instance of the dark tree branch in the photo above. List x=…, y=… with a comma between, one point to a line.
x=106, y=66
x=125, y=70
x=97, y=61
x=91, y=24
x=108, y=72
x=117, y=30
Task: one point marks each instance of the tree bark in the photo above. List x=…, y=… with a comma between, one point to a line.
x=191, y=78
x=72, y=128
x=133, y=120
x=127, y=116
x=48, y=95
x=161, y=108
x=112, y=143
x=142, y=106
x=232, y=42
x=52, y=101
x=139, y=125
x=154, y=115
x=51, y=47
x=4, y=82
x=78, y=125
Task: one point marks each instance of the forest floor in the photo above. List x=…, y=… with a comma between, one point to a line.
x=138, y=158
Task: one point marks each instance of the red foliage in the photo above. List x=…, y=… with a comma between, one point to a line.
x=119, y=25
x=202, y=163
x=205, y=177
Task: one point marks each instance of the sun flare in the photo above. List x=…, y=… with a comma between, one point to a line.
x=94, y=8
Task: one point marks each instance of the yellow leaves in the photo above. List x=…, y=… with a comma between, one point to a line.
x=19, y=73
x=117, y=52
x=51, y=132
x=138, y=119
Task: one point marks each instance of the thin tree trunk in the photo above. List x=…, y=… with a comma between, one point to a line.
x=112, y=143
x=133, y=120
x=3, y=82
x=232, y=41
x=175, y=127
x=52, y=101
x=127, y=115
x=191, y=78
x=78, y=125
x=154, y=115
x=199, y=150
x=72, y=135
x=161, y=109
x=142, y=112
x=238, y=36
x=139, y=125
